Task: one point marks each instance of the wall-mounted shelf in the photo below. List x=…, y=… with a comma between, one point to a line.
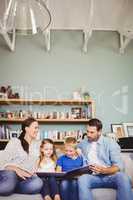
x=46, y=120
x=45, y=102
x=56, y=141
x=4, y=140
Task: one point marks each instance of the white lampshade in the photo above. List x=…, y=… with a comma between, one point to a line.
x=28, y=16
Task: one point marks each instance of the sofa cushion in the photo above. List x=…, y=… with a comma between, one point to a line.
x=104, y=194
x=128, y=161
x=99, y=194
x=22, y=197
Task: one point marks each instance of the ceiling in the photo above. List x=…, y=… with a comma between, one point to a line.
x=114, y=15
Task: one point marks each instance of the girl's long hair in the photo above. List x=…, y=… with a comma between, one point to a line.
x=53, y=156
x=26, y=123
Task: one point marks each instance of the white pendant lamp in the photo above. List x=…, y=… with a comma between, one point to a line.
x=24, y=17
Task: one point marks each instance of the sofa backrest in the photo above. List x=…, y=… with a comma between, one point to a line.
x=128, y=161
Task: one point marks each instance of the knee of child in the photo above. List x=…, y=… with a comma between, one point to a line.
x=83, y=179
x=64, y=184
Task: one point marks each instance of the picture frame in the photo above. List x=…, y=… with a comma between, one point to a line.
x=14, y=134
x=118, y=130
x=111, y=135
x=76, y=112
x=128, y=129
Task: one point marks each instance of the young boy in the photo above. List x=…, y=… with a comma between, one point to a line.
x=70, y=160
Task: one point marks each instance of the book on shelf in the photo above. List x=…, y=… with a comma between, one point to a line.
x=4, y=132
x=60, y=135
x=7, y=133
x=69, y=174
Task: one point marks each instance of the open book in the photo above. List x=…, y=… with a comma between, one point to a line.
x=71, y=173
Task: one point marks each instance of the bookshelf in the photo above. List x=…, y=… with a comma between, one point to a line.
x=83, y=111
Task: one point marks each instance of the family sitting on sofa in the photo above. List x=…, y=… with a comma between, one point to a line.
x=24, y=156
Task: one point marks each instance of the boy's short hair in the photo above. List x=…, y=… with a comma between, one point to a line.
x=71, y=140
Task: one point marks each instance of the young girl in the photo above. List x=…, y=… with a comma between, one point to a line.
x=47, y=163
x=70, y=160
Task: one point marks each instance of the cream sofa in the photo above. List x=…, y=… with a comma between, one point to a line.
x=99, y=194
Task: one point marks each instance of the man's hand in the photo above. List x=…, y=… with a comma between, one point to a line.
x=104, y=170
x=98, y=169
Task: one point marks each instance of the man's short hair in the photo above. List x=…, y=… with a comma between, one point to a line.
x=96, y=122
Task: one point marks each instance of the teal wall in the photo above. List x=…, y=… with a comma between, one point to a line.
x=105, y=73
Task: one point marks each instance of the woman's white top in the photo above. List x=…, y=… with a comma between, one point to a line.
x=14, y=154
x=47, y=167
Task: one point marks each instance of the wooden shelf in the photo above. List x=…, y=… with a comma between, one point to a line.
x=53, y=102
x=45, y=102
x=56, y=141
x=4, y=140
x=46, y=120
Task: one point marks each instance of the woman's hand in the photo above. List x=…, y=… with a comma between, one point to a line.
x=23, y=174
x=20, y=172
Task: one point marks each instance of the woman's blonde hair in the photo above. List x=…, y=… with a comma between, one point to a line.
x=53, y=156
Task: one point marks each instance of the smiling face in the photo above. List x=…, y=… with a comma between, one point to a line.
x=32, y=130
x=70, y=150
x=92, y=133
x=47, y=150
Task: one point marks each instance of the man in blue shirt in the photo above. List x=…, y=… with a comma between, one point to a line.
x=103, y=156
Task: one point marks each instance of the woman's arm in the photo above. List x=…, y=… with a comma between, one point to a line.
x=20, y=172
x=36, y=167
x=9, y=152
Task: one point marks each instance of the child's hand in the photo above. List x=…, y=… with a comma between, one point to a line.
x=58, y=169
x=79, y=151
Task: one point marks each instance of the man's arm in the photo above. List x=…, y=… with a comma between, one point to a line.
x=115, y=155
x=116, y=163
x=104, y=170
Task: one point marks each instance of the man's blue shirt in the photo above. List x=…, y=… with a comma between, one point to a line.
x=108, y=151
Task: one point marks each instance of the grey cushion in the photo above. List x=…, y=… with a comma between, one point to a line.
x=104, y=194
x=22, y=197
x=99, y=194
